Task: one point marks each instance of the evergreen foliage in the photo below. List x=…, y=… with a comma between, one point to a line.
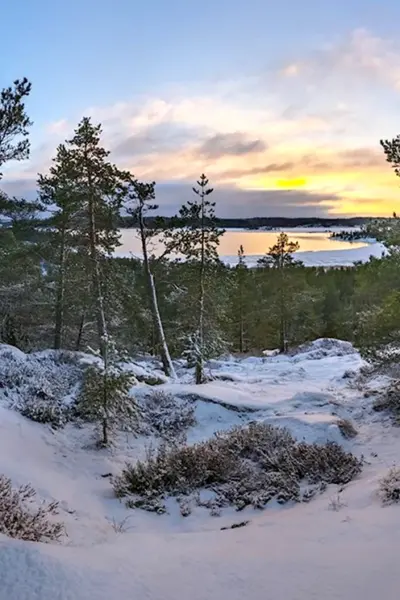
x=105, y=397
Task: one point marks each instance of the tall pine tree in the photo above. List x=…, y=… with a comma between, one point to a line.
x=89, y=191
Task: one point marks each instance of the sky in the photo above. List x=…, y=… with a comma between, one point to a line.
x=281, y=104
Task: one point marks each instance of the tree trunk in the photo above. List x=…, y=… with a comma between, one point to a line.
x=105, y=432
x=282, y=309
x=96, y=272
x=241, y=311
x=80, y=332
x=168, y=367
x=200, y=353
x=241, y=335
x=59, y=316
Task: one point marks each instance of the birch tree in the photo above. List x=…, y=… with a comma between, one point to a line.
x=141, y=201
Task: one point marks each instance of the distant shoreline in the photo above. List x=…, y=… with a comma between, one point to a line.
x=264, y=223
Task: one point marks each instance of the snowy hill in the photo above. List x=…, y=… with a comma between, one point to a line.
x=340, y=545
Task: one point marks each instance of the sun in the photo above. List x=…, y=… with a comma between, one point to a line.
x=291, y=183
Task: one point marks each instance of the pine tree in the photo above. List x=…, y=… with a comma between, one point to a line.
x=197, y=239
x=279, y=257
x=14, y=122
x=142, y=195
x=98, y=189
x=58, y=192
x=378, y=330
x=105, y=397
x=241, y=272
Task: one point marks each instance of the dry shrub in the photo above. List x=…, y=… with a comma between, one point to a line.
x=389, y=402
x=21, y=518
x=389, y=486
x=246, y=466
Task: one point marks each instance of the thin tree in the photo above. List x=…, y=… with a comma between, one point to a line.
x=241, y=272
x=141, y=201
x=197, y=239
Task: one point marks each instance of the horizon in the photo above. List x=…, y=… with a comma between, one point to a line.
x=283, y=115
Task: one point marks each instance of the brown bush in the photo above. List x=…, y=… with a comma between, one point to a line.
x=389, y=402
x=21, y=518
x=244, y=466
x=389, y=487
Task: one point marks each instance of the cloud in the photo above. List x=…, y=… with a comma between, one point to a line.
x=360, y=54
x=269, y=168
x=231, y=144
x=235, y=202
x=313, y=119
x=156, y=139
x=362, y=157
x=231, y=201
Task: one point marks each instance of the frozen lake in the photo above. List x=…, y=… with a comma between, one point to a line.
x=317, y=248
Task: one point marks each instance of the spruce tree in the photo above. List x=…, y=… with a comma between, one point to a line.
x=105, y=397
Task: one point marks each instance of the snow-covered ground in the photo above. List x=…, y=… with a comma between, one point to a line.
x=338, y=546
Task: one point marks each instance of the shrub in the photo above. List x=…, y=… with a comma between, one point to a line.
x=389, y=402
x=389, y=486
x=36, y=385
x=167, y=416
x=246, y=466
x=21, y=518
x=44, y=408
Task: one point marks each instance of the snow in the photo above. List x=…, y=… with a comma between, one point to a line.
x=325, y=258
x=298, y=552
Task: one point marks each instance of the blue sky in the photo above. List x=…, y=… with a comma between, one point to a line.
x=168, y=78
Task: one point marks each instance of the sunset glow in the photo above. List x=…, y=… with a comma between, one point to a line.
x=294, y=131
